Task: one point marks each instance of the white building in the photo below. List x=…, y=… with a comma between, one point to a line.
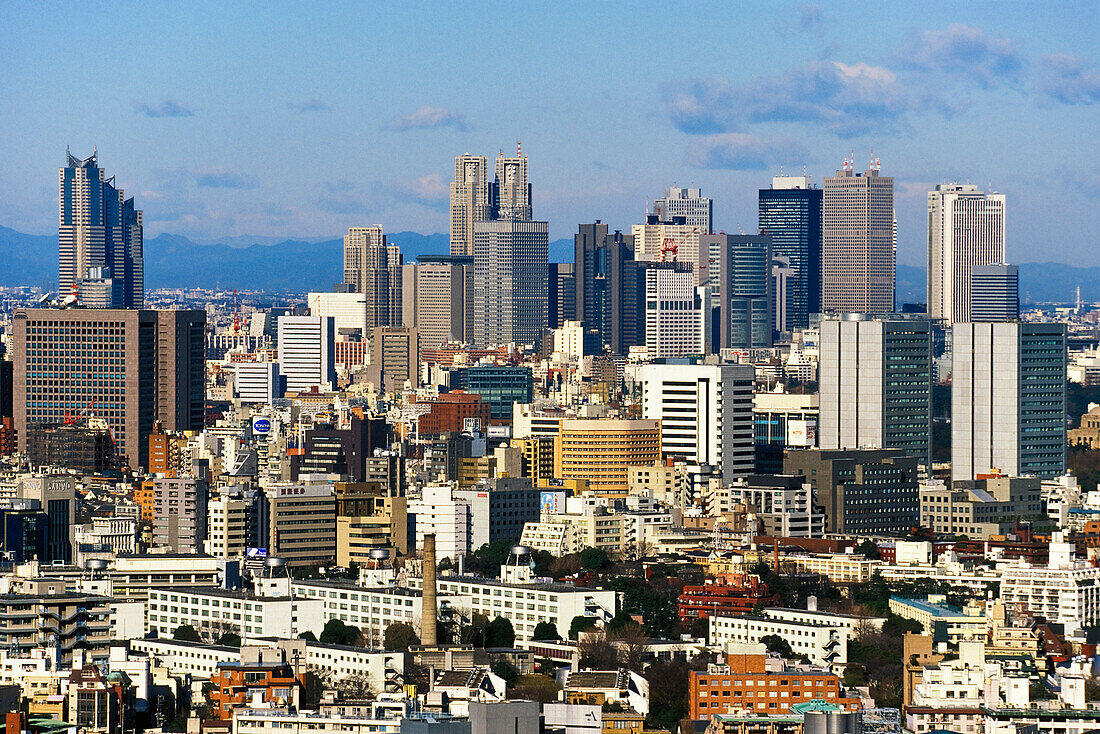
x=950, y=694
x=1065, y=591
x=347, y=310
x=674, y=312
x=381, y=720
x=569, y=341
x=438, y=511
x=706, y=413
x=307, y=355
x=650, y=239
x=227, y=527
x=784, y=503
x=195, y=659
x=823, y=644
x=257, y=382
x=1008, y=413
x=966, y=228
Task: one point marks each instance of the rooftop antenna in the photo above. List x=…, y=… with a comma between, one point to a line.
x=519, y=150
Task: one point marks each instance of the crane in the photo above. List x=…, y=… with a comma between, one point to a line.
x=72, y=420
x=670, y=246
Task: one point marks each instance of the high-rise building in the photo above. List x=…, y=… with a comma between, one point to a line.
x=348, y=311
x=706, y=413
x=600, y=451
x=690, y=204
x=790, y=213
x=511, y=260
x=875, y=378
x=994, y=292
x=306, y=352
x=562, y=282
x=438, y=298
x=372, y=266
x=100, y=240
x=608, y=287
x=738, y=274
x=858, y=242
x=677, y=322
x=127, y=367
x=1008, y=399
x=471, y=201
x=655, y=241
x=257, y=382
x=512, y=191
x=179, y=513
x=966, y=228
x=394, y=358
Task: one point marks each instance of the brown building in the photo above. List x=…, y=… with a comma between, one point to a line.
x=83, y=448
x=450, y=411
x=745, y=683
x=261, y=672
x=7, y=436
x=602, y=450
x=129, y=367
x=166, y=453
x=394, y=357
x=538, y=457
x=368, y=517
x=1089, y=432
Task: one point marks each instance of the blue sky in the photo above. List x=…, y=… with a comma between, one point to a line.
x=301, y=119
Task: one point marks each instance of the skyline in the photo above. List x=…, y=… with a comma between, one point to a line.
x=241, y=133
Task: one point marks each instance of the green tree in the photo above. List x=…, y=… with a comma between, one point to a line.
x=545, y=631
x=399, y=637
x=535, y=687
x=868, y=549
x=580, y=624
x=594, y=559
x=505, y=670
x=308, y=636
x=490, y=557
x=499, y=633
x=229, y=639
x=668, y=693
x=776, y=644
x=186, y=633
x=896, y=626
x=338, y=633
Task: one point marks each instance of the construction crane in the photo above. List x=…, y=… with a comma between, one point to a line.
x=72, y=420
x=236, y=313
x=670, y=246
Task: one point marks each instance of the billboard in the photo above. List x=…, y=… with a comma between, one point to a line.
x=801, y=433
x=261, y=425
x=552, y=503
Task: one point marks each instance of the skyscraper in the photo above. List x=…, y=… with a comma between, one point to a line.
x=790, y=213
x=875, y=377
x=675, y=311
x=1008, y=399
x=966, y=228
x=609, y=288
x=690, y=204
x=471, y=201
x=512, y=191
x=741, y=283
x=440, y=306
x=127, y=367
x=307, y=356
x=562, y=302
x=858, y=241
x=511, y=260
x=373, y=266
x=100, y=242
x=994, y=292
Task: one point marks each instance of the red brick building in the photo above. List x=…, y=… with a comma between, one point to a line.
x=739, y=595
x=450, y=411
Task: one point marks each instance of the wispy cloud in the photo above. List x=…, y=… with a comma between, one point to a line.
x=222, y=179
x=431, y=191
x=741, y=152
x=966, y=52
x=1069, y=79
x=167, y=108
x=810, y=15
x=848, y=99
x=429, y=118
x=309, y=105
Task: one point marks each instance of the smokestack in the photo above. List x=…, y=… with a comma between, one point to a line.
x=429, y=611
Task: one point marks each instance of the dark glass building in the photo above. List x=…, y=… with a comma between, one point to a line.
x=609, y=287
x=499, y=386
x=790, y=213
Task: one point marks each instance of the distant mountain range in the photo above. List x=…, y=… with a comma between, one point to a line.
x=174, y=261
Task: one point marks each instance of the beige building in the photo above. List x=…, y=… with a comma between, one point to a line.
x=302, y=522
x=227, y=527
x=437, y=295
x=602, y=451
x=470, y=201
x=367, y=518
x=373, y=267
x=966, y=228
x=980, y=509
x=858, y=242
x=394, y=358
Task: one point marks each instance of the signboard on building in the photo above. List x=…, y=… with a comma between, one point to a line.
x=261, y=425
x=552, y=503
x=801, y=433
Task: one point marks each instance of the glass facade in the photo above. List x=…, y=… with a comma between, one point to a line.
x=792, y=218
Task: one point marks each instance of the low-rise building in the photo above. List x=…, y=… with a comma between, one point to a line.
x=602, y=687
x=1065, y=591
x=822, y=644
x=980, y=509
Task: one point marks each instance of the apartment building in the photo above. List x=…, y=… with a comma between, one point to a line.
x=822, y=644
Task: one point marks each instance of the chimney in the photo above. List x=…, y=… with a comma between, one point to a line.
x=429, y=611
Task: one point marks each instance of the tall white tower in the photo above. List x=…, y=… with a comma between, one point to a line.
x=966, y=229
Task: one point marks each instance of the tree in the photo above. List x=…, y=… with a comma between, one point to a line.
x=546, y=631
x=338, y=633
x=777, y=644
x=186, y=633
x=633, y=644
x=896, y=626
x=505, y=670
x=535, y=687
x=594, y=559
x=579, y=624
x=229, y=639
x=308, y=636
x=399, y=637
x=596, y=651
x=668, y=693
x=868, y=549
x=490, y=557
x=499, y=633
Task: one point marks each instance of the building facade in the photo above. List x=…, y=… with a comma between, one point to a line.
x=511, y=263
x=966, y=229
x=790, y=213
x=470, y=201
x=307, y=355
x=695, y=209
x=858, y=242
x=994, y=292
x=372, y=267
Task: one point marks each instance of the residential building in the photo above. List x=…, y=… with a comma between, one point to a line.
x=790, y=213
x=98, y=703
x=705, y=413
x=753, y=685
x=688, y=204
x=733, y=595
x=129, y=368
x=180, y=513
x=676, y=323
x=858, y=247
x=980, y=509
x=262, y=676
x=784, y=504
x=227, y=527
x=372, y=267
x=75, y=620
x=511, y=260
x=875, y=380
x=608, y=287
x=100, y=238
x=951, y=693
x=601, y=450
x=994, y=292
x=471, y=201
x=862, y=491
x=1008, y=385
x=966, y=229
x=822, y=644
x=1065, y=591
x=306, y=352
x=839, y=568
